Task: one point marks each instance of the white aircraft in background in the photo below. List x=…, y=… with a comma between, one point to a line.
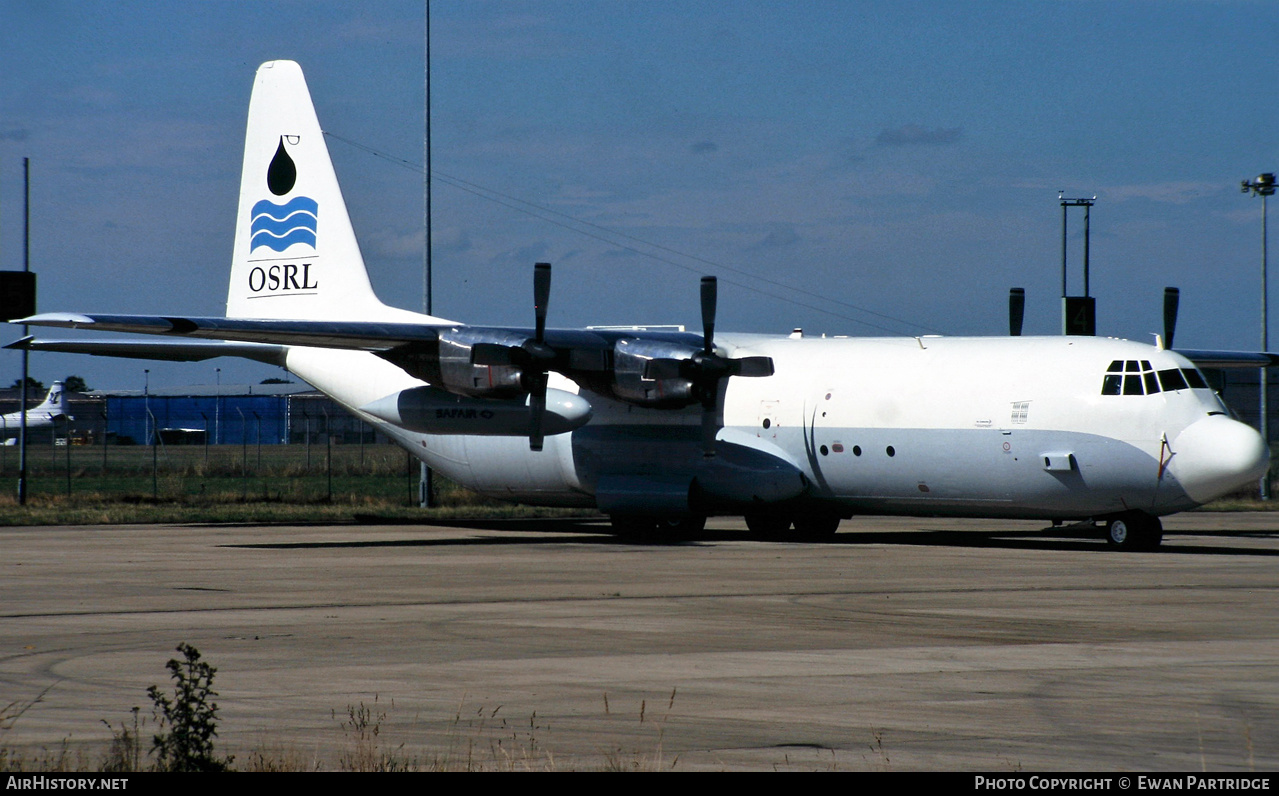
x=662, y=428
x=52, y=409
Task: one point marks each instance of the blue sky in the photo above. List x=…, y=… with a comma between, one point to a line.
x=848, y=167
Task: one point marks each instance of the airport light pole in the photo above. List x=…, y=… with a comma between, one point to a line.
x=26, y=354
x=1078, y=313
x=1264, y=186
x=426, y=480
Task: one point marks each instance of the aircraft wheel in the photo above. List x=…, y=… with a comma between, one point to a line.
x=633, y=526
x=771, y=523
x=682, y=526
x=1134, y=530
x=816, y=526
x=647, y=528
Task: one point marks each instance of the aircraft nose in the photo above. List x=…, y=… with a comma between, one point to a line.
x=1216, y=455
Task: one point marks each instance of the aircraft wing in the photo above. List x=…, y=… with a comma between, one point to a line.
x=169, y=350
x=1230, y=359
x=359, y=335
x=374, y=336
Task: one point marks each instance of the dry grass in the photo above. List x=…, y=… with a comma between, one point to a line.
x=231, y=484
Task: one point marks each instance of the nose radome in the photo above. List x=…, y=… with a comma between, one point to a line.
x=1217, y=455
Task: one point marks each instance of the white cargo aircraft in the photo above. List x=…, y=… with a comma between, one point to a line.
x=52, y=409
x=661, y=428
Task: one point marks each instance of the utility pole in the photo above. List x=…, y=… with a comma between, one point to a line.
x=426, y=485
x=1264, y=186
x=26, y=355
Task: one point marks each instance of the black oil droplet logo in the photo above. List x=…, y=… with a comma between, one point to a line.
x=282, y=173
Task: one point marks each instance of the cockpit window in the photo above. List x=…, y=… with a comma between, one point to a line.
x=1171, y=379
x=1138, y=377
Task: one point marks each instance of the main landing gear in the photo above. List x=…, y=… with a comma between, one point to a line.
x=1134, y=530
x=774, y=523
x=651, y=529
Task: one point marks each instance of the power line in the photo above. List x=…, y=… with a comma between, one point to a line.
x=609, y=236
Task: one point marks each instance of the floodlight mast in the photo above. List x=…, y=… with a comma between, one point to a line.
x=1078, y=314
x=1263, y=186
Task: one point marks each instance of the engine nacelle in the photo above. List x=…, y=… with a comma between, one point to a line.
x=446, y=363
x=433, y=411
x=629, y=360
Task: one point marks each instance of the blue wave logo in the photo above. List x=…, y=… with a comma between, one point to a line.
x=278, y=227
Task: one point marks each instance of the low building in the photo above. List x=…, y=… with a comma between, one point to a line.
x=229, y=414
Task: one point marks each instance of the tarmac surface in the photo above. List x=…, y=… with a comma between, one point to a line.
x=903, y=644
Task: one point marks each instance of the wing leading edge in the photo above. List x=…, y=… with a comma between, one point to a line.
x=167, y=350
x=1230, y=359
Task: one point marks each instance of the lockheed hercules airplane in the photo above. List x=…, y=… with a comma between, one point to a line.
x=45, y=415
x=661, y=428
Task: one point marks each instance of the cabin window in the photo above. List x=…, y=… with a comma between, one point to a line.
x=1132, y=384
x=1112, y=384
x=1152, y=382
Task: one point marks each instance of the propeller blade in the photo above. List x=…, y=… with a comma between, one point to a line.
x=1016, y=310
x=1172, y=299
x=710, y=290
x=710, y=427
x=541, y=297
x=536, y=411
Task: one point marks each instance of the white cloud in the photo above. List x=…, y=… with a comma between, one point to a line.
x=1173, y=192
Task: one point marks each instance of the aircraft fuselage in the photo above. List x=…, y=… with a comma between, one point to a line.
x=997, y=427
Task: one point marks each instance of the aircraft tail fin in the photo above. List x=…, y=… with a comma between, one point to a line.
x=54, y=402
x=295, y=253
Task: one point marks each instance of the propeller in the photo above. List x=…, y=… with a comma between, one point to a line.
x=1016, y=310
x=540, y=353
x=1172, y=299
x=533, y=357
x=706, y=369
